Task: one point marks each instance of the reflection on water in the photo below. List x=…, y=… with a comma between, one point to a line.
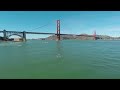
x=59, y=49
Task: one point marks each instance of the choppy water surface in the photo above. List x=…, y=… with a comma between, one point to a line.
x=67, y=59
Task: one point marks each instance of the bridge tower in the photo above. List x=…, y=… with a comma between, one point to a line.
x=4, y=35
x=24, y=36
x=58, y=29
x=94, y=35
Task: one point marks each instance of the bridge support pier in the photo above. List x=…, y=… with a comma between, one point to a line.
x=94, y=35
x=4, y=35
x=24, y=36
x=58, y=29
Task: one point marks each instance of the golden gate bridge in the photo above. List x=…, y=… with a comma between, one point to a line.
x=7, y=34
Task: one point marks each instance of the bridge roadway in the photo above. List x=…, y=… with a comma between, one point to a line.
x=45, y=33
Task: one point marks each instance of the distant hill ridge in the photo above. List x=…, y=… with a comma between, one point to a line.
x=82, y=37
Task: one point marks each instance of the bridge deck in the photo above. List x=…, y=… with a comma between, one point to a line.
x=45, y=33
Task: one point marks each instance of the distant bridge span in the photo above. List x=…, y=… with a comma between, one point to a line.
x=7, y=34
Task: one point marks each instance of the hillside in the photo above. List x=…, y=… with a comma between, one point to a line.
x=84, y=37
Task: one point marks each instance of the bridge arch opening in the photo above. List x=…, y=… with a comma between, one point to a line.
x=15, y=37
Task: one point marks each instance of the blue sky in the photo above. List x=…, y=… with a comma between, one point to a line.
x=72, y=22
